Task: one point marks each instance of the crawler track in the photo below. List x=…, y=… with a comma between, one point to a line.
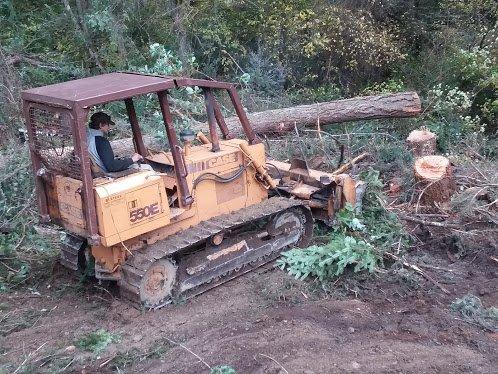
x=183, y=246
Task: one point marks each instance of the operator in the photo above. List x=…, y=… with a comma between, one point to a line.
x=100, y=149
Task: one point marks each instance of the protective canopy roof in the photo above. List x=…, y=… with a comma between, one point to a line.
x=110, y=87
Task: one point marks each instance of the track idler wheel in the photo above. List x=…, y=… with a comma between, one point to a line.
x=298, y=218
x=157, y=284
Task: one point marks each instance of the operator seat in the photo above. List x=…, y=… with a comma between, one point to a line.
x=98, y=172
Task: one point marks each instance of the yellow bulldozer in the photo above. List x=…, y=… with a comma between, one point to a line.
x=209, y=208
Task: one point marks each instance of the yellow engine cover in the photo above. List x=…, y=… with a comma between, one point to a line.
x=130, y=206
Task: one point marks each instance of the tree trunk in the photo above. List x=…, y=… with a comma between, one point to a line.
x=422, y=143
x=81, y=29
x=435, y=177
x=180, y=12
x=396, y=105
x=10, y=95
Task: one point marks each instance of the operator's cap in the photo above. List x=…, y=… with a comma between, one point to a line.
x=101, y=117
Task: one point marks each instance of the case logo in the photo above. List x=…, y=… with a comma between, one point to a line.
x=213, y=162
x=141, y=213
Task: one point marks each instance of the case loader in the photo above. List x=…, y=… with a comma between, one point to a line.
x=212, y=207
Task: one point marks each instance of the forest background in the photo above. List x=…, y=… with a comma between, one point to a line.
x=279, y=53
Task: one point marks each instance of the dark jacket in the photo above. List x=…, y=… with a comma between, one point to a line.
x=106, y=154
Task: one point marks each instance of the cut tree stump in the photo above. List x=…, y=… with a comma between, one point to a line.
x=395, y=105
x=422, y=143
x=435, y=176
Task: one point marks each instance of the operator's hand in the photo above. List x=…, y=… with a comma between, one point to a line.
x=136, y=157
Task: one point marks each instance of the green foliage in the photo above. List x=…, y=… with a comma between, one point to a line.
x=470, y=308
x=21, y=248
x=223, y=369
x=331, y=259
x=316, y=94
x=388, y=86
x=356, y=239
x=165, y=62
x=134, y=355
x=16, y=185
x=383, y=227
x=315, y=50
x=97, y=341
x=394, y=154
x=463, y=102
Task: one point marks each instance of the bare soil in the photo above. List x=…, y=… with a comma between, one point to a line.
x=264, y=322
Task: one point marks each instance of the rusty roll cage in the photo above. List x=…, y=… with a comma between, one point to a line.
x=78, y=96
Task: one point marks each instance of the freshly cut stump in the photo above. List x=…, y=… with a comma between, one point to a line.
x=436, y=176
x=422, y=143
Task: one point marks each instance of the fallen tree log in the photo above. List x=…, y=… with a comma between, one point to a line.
x=395, y=105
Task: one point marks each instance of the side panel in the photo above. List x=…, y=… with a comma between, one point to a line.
x=131, y=206
x=214, y=197
x=71, y=215
x=207, y=193
x=108, y=258
x=226, y=192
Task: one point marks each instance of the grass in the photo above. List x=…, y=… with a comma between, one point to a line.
x=10, y=323
x=471, y=310
x=97, y=341
x=135, y=355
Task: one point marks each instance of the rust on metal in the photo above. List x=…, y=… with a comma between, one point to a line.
x=239, y=109
x=221, y=120
x=98, y=89
x=36, y=164
x=135, y=128
x=185, y=196
x=80, y=150
x=209, y=100
x=182, y=82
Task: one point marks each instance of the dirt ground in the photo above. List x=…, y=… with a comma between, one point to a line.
x=264, y=322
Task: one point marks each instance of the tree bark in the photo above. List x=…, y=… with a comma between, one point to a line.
x=10, y=94
x=422, y=143
x=435, y=177
x=180, y=11
x=396, y=105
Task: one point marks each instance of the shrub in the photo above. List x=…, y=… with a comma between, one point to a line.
x=97, y=341
x=331, y=259
x=21, y=248
x=223, y=369
x=471, y=310
x=356, y=239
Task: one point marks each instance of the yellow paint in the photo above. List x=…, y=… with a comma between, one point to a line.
x=116, y=199
x=134, y=209
x=131, y=206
